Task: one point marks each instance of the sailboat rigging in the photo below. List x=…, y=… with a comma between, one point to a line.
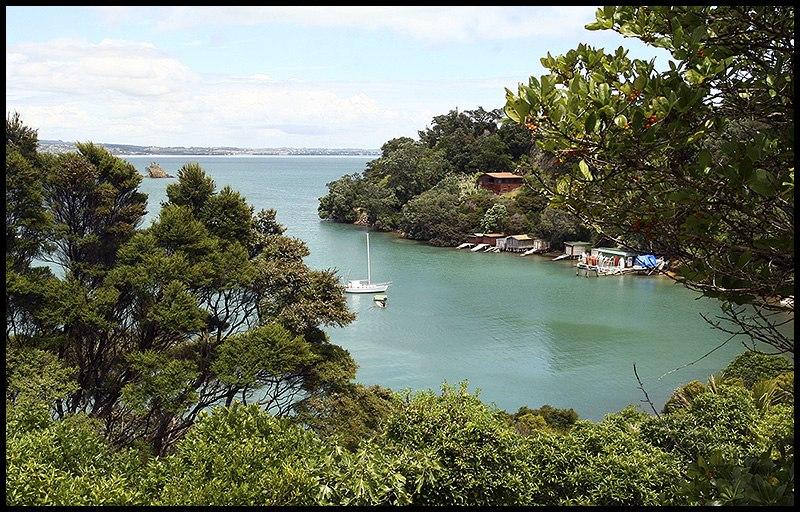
x=366, y=285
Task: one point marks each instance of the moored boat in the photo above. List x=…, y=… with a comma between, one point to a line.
x=366, y=285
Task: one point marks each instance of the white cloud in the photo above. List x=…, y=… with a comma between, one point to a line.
x=436, y=24
x=79, y=67
x=131, y=92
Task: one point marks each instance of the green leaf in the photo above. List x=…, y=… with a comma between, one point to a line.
x=761, y=182
x=584, y=168
x=603, y=92
x=590, y=122
x=704, y=160
x=562, y=186
x=621, y=121
x=694, y=77
x=745, y=258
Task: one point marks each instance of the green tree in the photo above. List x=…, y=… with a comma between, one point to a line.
x=408, y=168
x=340, y=203
x=351, y=415
x=750, y=367
x=28, y=229
x=435, y=215
x=557, y=226
x=242, y=456
x=94, y=200
x=193, y=188
x=494, y=219
x=694, y=163
x=158, y=324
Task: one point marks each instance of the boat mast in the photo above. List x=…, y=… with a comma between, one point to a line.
x=369, y=276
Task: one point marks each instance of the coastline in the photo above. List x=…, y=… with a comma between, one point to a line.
x=244, y=156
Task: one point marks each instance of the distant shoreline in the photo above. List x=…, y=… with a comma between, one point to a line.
x=244, y=156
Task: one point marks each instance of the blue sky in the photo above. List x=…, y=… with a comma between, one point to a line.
x=274, y=76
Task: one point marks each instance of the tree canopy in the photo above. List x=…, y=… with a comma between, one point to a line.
x=209, y=303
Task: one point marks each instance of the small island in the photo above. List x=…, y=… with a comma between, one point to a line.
x=156, y=171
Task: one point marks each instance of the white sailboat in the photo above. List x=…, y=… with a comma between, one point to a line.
x=366, y=285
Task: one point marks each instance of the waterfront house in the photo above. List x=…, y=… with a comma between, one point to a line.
x=576, y=249
x=500, y=182
x=485, y=238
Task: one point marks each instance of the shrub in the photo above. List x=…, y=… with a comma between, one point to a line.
x=475, y=458
x=684, y=395
x=240, y=455
x=751, y=367
x=606, y=463
x=66, y=462
x=721, y=421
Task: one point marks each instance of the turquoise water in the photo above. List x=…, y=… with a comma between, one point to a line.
x=525, y=330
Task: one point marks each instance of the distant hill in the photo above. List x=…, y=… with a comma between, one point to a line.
x=59, y=146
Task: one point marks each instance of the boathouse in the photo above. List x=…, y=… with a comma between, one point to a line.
x=610, y=256
x=500, y=182
x=485, y=238
x=576, y=249
x=518, y=243
x=540, y=245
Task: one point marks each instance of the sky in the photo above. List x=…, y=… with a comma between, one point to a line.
x=332, y=77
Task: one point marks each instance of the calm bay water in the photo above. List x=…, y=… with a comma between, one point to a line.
x=526, y=331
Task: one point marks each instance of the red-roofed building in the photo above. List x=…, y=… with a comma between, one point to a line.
x=500, y=182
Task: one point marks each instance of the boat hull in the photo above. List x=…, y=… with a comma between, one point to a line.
x=366, y=287
x=372, y=288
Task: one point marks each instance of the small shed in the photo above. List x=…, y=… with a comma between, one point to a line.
x=519, y=243
x=500, y=182
x=576, y=249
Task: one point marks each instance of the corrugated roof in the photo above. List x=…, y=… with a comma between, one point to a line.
x=521, y=237
x=493, y=234
x=577, y=243
x=612, y=250
x=502, y=175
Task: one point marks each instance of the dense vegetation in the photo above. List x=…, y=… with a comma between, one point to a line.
x=723, y=443
x=428, y=188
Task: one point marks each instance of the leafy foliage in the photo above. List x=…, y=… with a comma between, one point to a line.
x=751, y=367
x=350, y=415
x=241, y=456
x=422, y=449
x=66, y=462
x=527, y=420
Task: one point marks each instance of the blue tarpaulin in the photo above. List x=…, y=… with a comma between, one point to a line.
x=646, y=260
